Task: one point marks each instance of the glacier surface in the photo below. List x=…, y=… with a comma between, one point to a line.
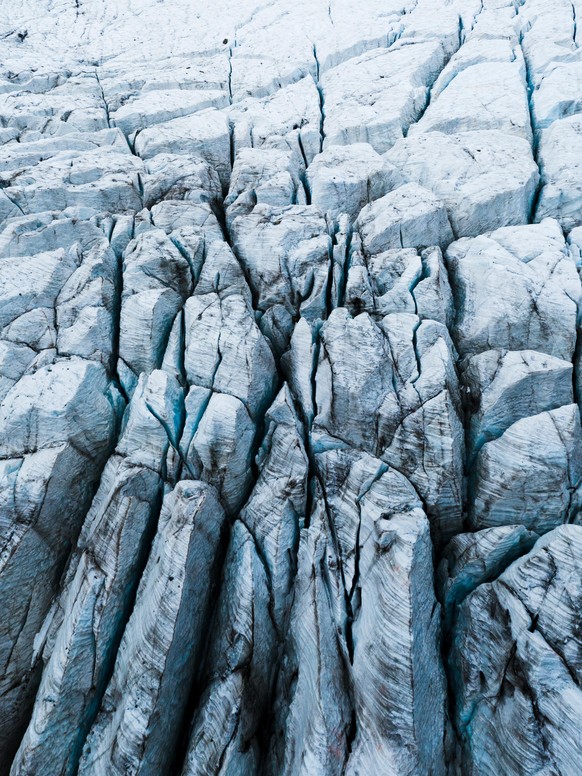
x=290, y=388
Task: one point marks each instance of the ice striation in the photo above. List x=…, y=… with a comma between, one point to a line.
x=519, y=692
x=86, y=623
x=169, y=616
x=290, y=388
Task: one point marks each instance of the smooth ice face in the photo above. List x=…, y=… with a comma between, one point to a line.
x=290, y=388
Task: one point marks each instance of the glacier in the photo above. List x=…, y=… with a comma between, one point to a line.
x=290, y=388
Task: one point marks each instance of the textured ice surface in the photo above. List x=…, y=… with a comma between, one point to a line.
x=290, y=383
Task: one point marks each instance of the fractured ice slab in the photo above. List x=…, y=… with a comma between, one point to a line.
x=531, y=474
x=516, y=663
x=408, y=217
x=71, y=412
x=269, y=176
x=399, y=280
x=239, y=664
x=86, y=625
x=343, y=179
x=559, y=154
x=285, y=252
x=375, y=97
x=487, y=179
x=205, y=133
x=169, y=616
x=489, y=95
x=506, y=386
x=508, y=284
x=401, y=373
x=399, y=691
